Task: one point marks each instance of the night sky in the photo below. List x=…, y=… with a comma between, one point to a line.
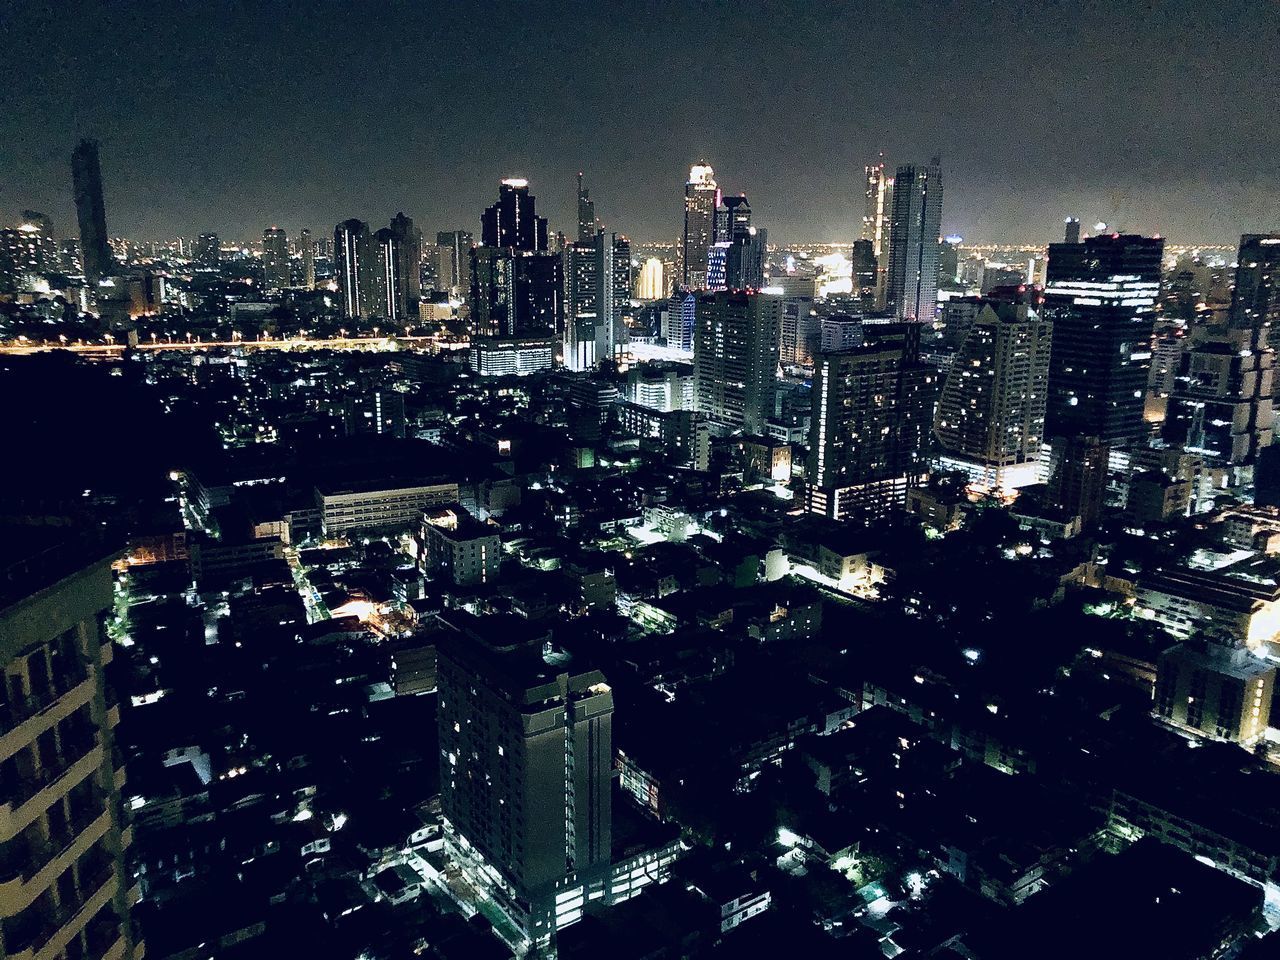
x=1157, y=117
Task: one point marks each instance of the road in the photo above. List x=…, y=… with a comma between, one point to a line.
x=22, y=348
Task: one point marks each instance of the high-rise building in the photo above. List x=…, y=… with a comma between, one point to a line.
x=353, y=267
x=914, y=235
x=86, y=177
x=588, y=225
x=275, y=258
x=652, y=284
x=408, y=251
x=307, y=249
x=1222, y=402
x=735, y=358
x=40, y=228
x=511, y=223
x=453, y=263
x=1100, y=297
x=701, y=198
x=1071, y=232
x=68, y=890
x=379, y=412
x=872, y=410
x=989, y=421
x=597, y=276
x=800, y=332
x=525, y=768
x=949, y=261
x=21, y=258
x=1077, y=481
x=864, y=272
x=745, y=259
x=208, y=251
x=681, y=320
x=877, y=222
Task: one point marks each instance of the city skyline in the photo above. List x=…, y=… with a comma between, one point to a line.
x=190, y=145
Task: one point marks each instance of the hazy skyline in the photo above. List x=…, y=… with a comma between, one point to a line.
x=1150, y=116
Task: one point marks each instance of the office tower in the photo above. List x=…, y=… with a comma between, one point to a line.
x=511, y=222
x=86, y=177
x=735, y=358
x=353, y=267
x=1222, y=402
x=800, y=331
x=588, y=225
x=275, y=259
x=68, y=892
x=408, y=251
x=1077, y=481
x=840, y=331
x=989, y=421
x=525, y=767
x=745, y=259
x=701, y=198
x=588, y=304
x=872, y=411
x=912, y=292
x=623, y=279
x=1071, y=234
x=208, y=251
x=453, y=264
x=652, y=285
x=877, y=220
x=308, y=251
x=1100, y=297
x=517, y=287
x=681, y=320
x=733, y=217
x=863, y=275
x=949, y=262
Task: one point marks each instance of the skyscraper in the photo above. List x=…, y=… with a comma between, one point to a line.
x=872, y=408
x=877, y=217
x=511, y=223
x=397, y=276
x=525, y=761
x=652, y=284
x=914, y=235
x=308, y=251
x=353, y=267
x=208, y=251
x=86, y=177
x=701, y=198
x=989, y=421
x=385, y=279
x=1222, y=403
x=453, y=263
x=1071, y=231
x=864, y=275
x=275, y=258
x=1100, y=297
x=588, y=225
x=735, y=358
x=589, y=301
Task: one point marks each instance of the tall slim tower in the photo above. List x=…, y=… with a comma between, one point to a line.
x=86, y=178
x=914, y=238
x=877, y=217
x=308, y=251
x=701, y=198
x=453, y=263
x=408, y=252
x=353, y=267
x=588, y=225
x=275, y=258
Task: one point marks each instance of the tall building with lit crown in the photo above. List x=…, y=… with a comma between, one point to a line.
x=877, y=220
x=65, y=890
x=511, y=223
x=353, y=267
x=914, y=240
x=989, y=421
x=86, y=177
x=275, y=259
x=735, y=358
x=701, y=199
x=525, y=774
x=1100, y=296
x=872, y=411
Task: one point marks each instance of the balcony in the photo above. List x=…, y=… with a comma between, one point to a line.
x=48, y=859
x=25, y=800
x=22, y=721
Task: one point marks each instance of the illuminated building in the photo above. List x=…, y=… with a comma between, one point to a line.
x=208, y=251
x=701, y=199
x=652, y=284
x=453, y=262
x=506, y=356
x=870, y=423
x=379, y=412
x=1071, y=231
x=588, y=225
x=989, y=421
x=1077, y=480
x=597, y=294
x=912, y=291
x=800, y=332
x=511, y=223
x=353, y=268
x=1100, y=297
x=863, y=275
x=839, y=332
x=21, y=258
x=735, y=358
x=680, y=320
x=457, y=547
x=526, y=761
x=1235, y=606
x=378, y=507
x=877, y=222
x=406, y=250
x=275, y=259
x=65, y=889
x=1215, y=691
x=308, y=251
x=86, y=176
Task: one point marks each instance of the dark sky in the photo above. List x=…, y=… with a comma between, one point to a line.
x=1158, y=116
